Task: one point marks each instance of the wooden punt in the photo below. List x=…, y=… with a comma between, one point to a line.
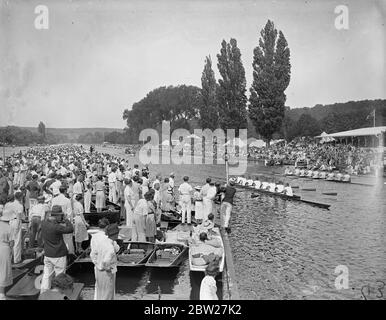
x=284, y=196
x=135, y=254
x=28, y=287
x=112, y=212
x=130, y=254
x=174, y=218
x=202, y=268
x=162, y=257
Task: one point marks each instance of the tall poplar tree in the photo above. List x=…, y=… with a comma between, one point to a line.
x=42, y=130
x=271, y=77
x=209, y=115
x=231, y=95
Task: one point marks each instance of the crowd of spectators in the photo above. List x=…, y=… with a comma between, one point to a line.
x=316, y=156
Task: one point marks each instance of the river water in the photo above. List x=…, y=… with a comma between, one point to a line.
x=281, y=249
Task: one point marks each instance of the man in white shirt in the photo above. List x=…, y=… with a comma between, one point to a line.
x=171, y=180
x=36, y=216
x=185, y=191
x=112, y=179
x=103, y=255
x=78, y=187
x=16, y=209
x=54, y=187
x=157, y=180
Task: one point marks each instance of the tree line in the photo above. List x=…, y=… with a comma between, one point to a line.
x=223, y=103
x=12, y=135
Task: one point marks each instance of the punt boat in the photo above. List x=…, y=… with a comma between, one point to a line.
x=112, y=212
x=167, y=255
x=201, y=268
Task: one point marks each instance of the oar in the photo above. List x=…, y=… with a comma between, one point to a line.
x=330, y=193
x=254, y=195
x=309, y=189
x=295, y=187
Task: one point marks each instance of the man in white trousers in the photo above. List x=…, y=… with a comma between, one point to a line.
x=185, y=191
x=112, y=179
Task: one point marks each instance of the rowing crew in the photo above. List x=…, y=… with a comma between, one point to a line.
x=314, y=174
x=270, y=186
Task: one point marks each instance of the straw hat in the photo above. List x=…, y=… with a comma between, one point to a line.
x=197, y=187
x=56, y=210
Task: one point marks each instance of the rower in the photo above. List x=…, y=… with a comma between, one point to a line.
x=309, y=173
x=279, y=187
x=330, y=176
x=257, y=183
x=249, y=182
x=339, y=176
x=288, y=190
x=298, y=171
x=346, y=178
x=323, y=175
x=288, y=171
x=272, y=186
x=243, y=181
x=315, y=174
x=302, y=173
x=264, y=185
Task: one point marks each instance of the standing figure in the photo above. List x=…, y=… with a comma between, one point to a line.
x=185, y=191
x=112, y=179
x=198, y=206
x=100, y=194
x=80, y=224
x=128, y=195
x=55, y=250
x=139, y=221
x=103, y=255
x=6, y=244
x=16, y=209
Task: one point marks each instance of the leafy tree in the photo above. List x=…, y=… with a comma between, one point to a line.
x=271, y=77
x=179, y=105
x=209, y=113
x=307, y=126
x=231, y=96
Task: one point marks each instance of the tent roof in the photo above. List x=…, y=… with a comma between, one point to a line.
x=372, y=131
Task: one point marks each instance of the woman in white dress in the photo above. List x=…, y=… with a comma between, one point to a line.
x=80, y=224
x=198, y=206
x=128, y=195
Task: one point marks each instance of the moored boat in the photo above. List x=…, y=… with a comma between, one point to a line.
x=202, y=267
x=167, y=255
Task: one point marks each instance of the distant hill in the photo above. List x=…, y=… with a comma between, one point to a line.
x=73, y=133
x=321, y=111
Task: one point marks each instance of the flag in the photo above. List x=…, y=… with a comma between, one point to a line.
x=371, y=115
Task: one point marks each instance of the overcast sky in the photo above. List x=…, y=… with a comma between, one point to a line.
x=99, y=57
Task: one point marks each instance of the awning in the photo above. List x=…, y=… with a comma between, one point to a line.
x=372, y=131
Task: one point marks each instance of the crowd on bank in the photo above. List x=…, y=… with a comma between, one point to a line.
x=51, y=188
x=315, y=156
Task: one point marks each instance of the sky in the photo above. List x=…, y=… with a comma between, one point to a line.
x=97, y=58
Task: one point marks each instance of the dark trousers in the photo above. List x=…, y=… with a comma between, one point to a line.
x=35, y=230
